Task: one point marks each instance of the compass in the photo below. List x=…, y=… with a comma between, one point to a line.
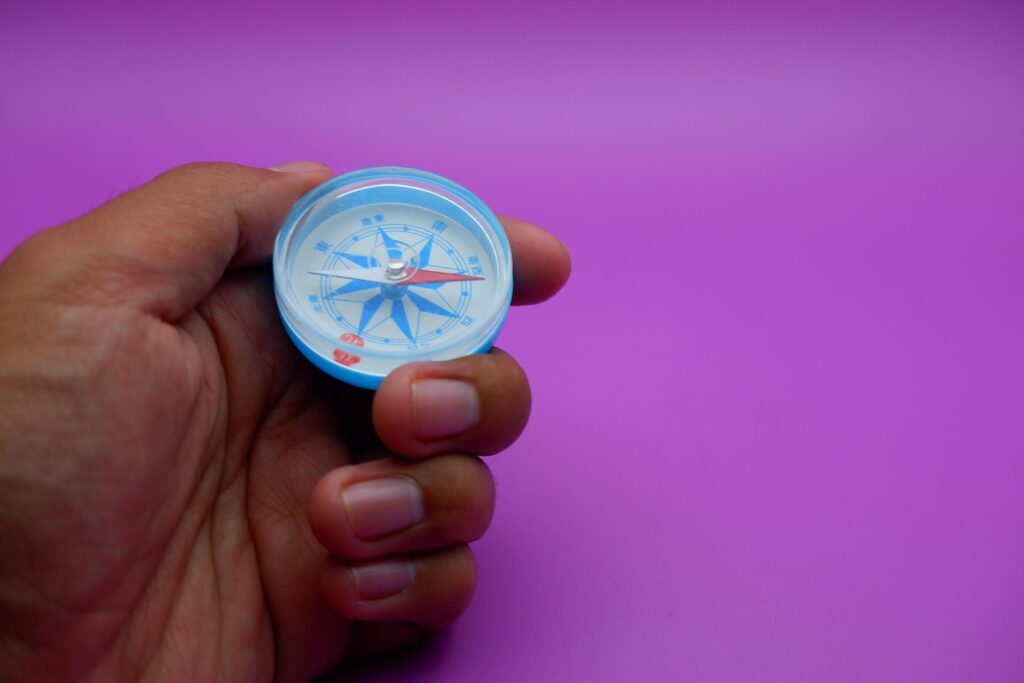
x=384, y=266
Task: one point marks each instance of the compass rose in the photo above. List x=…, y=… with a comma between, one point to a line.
x=403, y=284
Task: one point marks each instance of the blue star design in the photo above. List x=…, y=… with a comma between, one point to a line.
x=405, y=310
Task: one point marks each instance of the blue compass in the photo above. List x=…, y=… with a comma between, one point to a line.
x=385, y=266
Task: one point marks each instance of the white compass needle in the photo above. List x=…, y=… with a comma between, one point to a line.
x=361, y=274
x=415, y=277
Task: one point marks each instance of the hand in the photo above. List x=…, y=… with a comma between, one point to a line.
x=182, y=496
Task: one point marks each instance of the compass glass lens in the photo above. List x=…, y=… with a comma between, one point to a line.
x=386, y=266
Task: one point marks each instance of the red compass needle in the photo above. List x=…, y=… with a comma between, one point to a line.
x=423, y=277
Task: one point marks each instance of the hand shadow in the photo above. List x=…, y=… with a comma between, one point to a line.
x=410, y=663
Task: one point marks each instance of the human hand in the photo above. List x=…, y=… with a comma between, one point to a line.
x=182, y=496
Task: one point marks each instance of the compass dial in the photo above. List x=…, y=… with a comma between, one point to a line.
x=384, y=266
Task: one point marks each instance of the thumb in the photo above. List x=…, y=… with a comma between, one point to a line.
x=164, y=246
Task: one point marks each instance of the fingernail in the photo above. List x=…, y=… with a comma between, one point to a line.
x=383, y=579
x=442, y=408
x=299, y=167
x=383, y=506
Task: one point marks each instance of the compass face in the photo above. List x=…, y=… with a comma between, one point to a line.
x=386, y=266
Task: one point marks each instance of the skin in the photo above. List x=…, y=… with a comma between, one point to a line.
x=171, y=468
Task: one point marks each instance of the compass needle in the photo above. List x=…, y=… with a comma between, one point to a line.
x=410, y=276
x=362, y=274
x=354, y=286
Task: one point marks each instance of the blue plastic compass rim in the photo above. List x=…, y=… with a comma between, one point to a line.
x=368, y=380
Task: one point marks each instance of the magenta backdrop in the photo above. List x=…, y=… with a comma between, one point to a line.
x=779, y=410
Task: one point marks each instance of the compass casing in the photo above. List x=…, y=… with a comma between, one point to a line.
x=358, y=331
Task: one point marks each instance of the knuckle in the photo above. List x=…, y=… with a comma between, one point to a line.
x=506, y=405
x=203, y=191
x=458, y=582
x=201, y=169
x=206, y=181
x=467, y=505
x=513, y=379
x=186, y=173
x=480, y=500
x=468, y=579
x=518, y=378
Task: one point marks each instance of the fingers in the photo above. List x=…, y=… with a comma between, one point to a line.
x=540, y=263
x=393, y=506
x=163, y=246
x=476, y=404
x=396, y=530
x=432, y=589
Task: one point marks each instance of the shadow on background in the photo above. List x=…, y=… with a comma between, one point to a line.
x=416, y=660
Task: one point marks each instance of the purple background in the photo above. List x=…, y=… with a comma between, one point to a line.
x=779, y=410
